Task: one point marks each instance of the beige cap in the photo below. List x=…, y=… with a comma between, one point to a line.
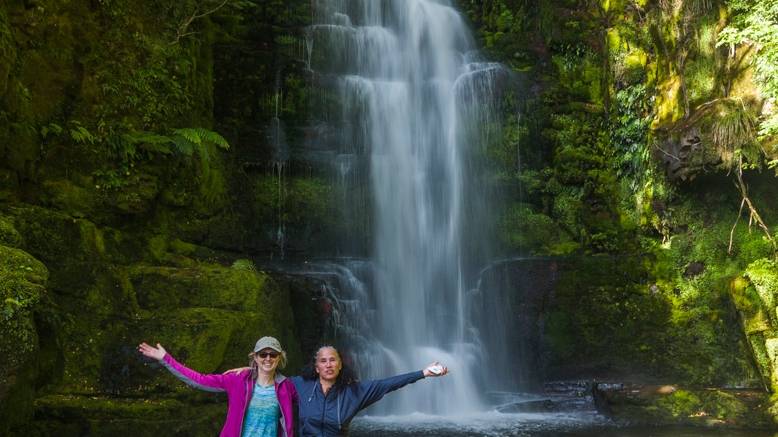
x=268, y=343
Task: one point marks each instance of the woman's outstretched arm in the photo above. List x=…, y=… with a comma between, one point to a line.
x=208, y=382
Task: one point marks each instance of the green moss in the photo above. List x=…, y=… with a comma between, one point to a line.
x=207, y=285
x=136, y=194
x=158, y=247
x=681, y=404
x=302, y=207
x=71, y=415
x=711, y=407
x=182, y=248
x=763, y=274
x=71, y=198
x=536, y=233
x=22, y=288
x=672, y=405
x=244, y=264
x=9, y=236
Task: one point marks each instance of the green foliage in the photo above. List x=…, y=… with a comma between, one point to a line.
x=188, y=141
x=732, y=132
x=531, y=232
x=76, y=132
x=763, y=274
x=504, y=152
x=756, y=24
x=502, y=27
x=136, y=147
x=629, y=134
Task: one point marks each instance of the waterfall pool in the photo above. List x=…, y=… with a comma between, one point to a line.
x=494, y=424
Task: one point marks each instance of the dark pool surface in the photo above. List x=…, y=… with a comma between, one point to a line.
x=537, y=425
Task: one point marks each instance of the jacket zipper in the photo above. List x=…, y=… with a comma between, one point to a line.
x=324, y=410
x=245, y=407
x=283, y=420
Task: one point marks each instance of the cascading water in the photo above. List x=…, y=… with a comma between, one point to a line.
x=417, y=104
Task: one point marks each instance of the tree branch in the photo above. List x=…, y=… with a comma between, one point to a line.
x=732, y=231
x=181, y=32
x=754, y=214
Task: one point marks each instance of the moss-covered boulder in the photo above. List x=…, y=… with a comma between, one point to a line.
x=659, y=405
x=22, y=290
x=240, y=287
x=207, y=315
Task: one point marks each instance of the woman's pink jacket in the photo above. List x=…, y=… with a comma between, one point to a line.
x=239, y=387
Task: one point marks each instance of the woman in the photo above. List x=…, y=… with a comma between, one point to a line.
x=329, y=398
x=259, y=399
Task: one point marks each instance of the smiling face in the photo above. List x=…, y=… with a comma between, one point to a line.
x=267, y=361
x=328, y=364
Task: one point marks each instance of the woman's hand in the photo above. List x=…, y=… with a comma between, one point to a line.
x=435, y=369
x=158, y=353
x=238, y=370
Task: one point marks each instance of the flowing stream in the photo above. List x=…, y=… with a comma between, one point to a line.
x=417, y=104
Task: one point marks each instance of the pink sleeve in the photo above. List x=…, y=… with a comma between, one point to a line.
x=209, y=382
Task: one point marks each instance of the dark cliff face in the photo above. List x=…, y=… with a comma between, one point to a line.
x=125, y=216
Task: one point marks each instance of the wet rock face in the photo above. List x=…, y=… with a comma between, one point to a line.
x=685, y=154
x=514, y=298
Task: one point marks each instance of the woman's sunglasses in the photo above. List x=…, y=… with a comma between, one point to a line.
x=264, y=355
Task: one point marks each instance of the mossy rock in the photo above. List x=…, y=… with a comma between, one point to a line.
x=137, y=194
x=763, y=274
x=55, y=237
x=100, y=353
x=9, y=236
x=205, y=339
x=75, y=249
x=66, y=196
x=673, y=405
x=207, y=316
x=207, y=285
x=72, y=415
x=22, y=288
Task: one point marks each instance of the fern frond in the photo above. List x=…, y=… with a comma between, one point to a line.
x=148, y=141
x=184, y=146
x=190, y=134
x=214, y=138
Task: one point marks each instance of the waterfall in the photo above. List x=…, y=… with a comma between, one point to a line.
x=417, y=102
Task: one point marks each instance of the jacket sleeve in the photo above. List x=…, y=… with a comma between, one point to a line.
x=372, y=391
x=208, y=382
